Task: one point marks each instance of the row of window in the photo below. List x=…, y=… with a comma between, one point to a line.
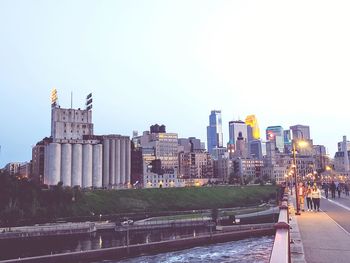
x=64, y=118
x=155, y=181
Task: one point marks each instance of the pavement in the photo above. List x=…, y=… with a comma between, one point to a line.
x=324, y=235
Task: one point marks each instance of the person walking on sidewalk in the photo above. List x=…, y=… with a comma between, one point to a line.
x=333, y=187
x=339, y=190
x=309, y=198
x=346, y=189
x=326, y=187
x=301, y=195
x=316, y=197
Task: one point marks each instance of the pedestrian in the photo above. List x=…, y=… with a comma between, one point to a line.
x=301, y=196
x=339, y=190
x=316, y=197
x=347, y=189
x=333, y=187
x=309, y=198
x=326, y=187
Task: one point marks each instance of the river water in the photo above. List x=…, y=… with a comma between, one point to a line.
x=248, y=251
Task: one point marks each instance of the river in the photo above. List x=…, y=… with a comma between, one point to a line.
x=250, y=250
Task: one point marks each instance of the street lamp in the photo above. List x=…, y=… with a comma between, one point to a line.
x=301, y=144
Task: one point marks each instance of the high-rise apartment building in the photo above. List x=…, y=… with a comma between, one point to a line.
x=214, y=131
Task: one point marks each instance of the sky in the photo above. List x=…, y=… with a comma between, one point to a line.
x=172, y=62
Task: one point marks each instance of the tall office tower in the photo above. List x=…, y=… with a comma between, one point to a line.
x=275, y=133
x=255, y=149
x=236, y=127
x=214, y=131
x=253, y=126
x=300, y=132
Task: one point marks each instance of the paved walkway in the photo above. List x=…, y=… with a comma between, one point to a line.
x=325, y=235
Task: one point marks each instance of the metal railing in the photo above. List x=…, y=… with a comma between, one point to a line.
x=281, y=246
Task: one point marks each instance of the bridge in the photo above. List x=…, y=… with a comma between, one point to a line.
x=313, y=236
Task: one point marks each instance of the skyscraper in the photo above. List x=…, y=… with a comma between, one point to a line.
x=275, y=133
x=300, y=132
x=255, y=149
x=236, y=127
x=214, y=131
x=252, y=122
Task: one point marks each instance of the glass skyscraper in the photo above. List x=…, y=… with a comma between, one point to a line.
x=214, y=131
x=275, y=133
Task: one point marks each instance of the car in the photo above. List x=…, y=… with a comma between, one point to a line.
x=127, y=222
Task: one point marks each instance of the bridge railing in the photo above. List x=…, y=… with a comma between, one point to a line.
x=281, y=246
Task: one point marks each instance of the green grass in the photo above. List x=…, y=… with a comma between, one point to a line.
x=171, y=199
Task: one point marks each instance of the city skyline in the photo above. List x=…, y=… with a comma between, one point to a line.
x=144, y=65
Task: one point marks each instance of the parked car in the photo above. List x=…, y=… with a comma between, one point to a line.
x=127, y=222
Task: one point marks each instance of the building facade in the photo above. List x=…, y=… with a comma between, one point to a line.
x=214, y=131
x=77, y=157
x=275, y=133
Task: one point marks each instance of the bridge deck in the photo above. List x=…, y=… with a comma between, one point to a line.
x=325, y=235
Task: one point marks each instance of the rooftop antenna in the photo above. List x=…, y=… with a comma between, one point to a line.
x=71, y=99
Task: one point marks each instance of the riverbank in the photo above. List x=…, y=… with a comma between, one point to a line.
x=172, y=199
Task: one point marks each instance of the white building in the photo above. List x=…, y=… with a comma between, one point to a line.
x=167, y=180
x=76, y=157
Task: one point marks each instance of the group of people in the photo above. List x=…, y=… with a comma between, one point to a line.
x=312, y=195
x=335, y=187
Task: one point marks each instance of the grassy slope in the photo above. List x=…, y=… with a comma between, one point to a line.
x=171, y=199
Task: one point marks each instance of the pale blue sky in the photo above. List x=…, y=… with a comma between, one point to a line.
x=172, y=62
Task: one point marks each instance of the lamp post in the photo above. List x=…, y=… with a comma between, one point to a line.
x=295, y=180
x=301, y=144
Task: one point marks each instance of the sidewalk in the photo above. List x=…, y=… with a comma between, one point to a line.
x=322, y=238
